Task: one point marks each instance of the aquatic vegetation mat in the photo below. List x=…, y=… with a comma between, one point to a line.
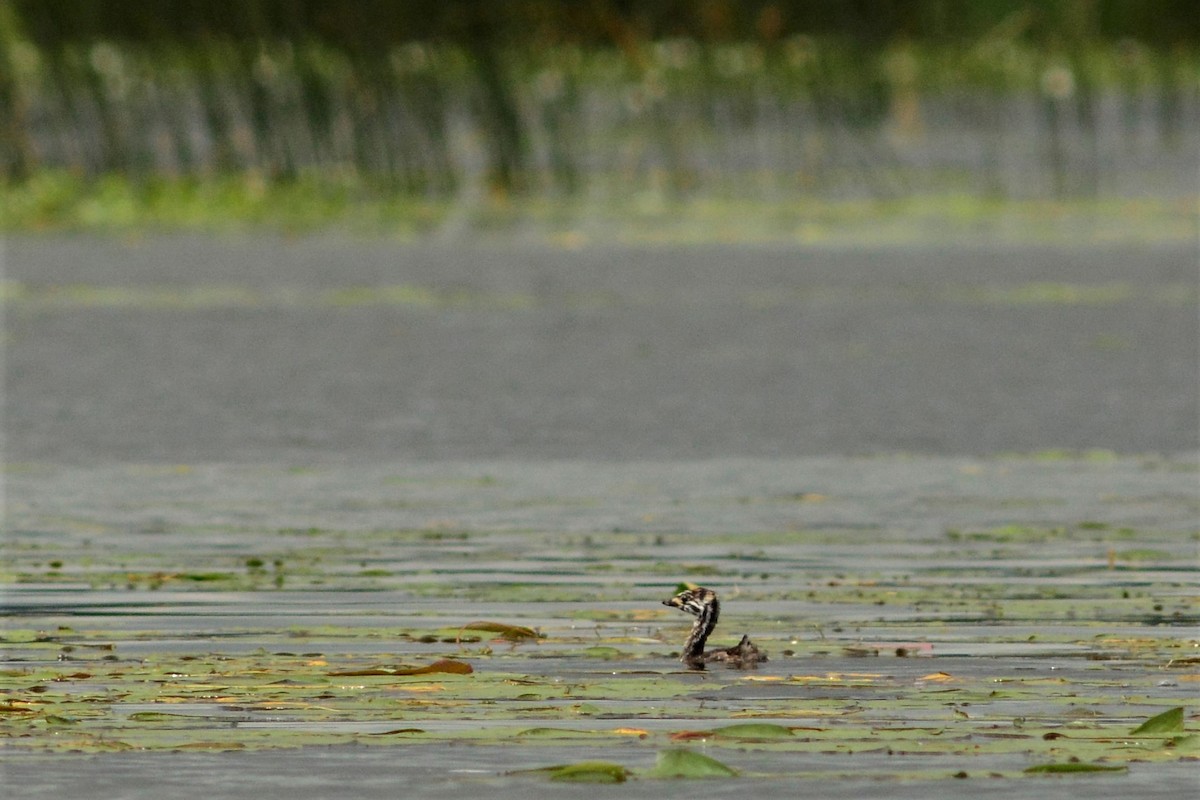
x=1018, y=617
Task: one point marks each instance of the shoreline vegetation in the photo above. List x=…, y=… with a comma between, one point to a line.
x=57, y=202
x=575, y=122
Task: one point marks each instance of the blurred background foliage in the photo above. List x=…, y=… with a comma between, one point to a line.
x=438, y=114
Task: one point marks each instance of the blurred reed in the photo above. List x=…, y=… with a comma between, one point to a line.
x=773, y=118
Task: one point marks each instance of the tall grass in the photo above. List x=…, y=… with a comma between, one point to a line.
x=678, y=119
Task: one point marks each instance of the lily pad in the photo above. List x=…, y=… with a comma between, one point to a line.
x=1187, y=743
x=753, y=730
x=153, y=716
x=1164, y=724
x=556, y=733
x=745, y=731
x=513, y=633
x=445, y=665
x=604, y=652
x=688, y=764
x=586, y=772
x=1041, y=769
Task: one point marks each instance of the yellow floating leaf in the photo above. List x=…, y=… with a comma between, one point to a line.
x=941, y=677
x=423, y=688
x=839, y=677
x=631, y=732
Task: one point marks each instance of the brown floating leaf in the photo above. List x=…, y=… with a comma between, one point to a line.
x=749, y=731
x=448, y=665
x=514, y=633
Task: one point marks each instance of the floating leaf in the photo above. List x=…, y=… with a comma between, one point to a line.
x=641, y=733
x=514, y=633
x=586, y=772
x=1189, y=742
x=422, y=688
x=753, y=730
x=603, y=651
x=556, y=733
x=746, y=731
x=1072, y=767
x=153, y=716
x=1187, y=661
x=686, y=764
x=447, y=665
x=1163, y=724
x=939, y=677
x=56, y=719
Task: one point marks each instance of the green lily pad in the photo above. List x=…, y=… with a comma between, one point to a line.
x=1163, y=724
x=153, y=716
x=556, y=733
x=1041, y=769
x=586, y=772
x=603, y=651
x=753, y=730
x=1188, y=743
x=56, y=719
x=687, y=764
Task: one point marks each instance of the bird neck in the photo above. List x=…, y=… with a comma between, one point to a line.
x=706, y=620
